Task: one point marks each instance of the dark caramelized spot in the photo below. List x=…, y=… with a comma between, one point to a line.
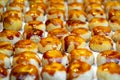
x=96, y=12
x=78, y=68
x=55, y=22
x=74, y=22
x=31, y=32
x=3, y=72
x=21, y=71
x=52, y=68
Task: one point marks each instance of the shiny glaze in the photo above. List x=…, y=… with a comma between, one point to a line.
x=21, y=71
x=77, y=68
x=52, y=68
x=50, y=41
x=74, y=23
x=6, y=45
x=110, y=67
x=79, y=31
x=3, y=72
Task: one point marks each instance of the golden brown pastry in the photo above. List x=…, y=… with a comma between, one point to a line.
x=97, y=22
x=55, y=13
x=60, y=33
x=10, y=36
x=81, y=54
x=35, y=25
x=102, y=30
x=26, y=57
x=5, y=60
x=16, y=6
x=59, y=6
x=75, y=5
x=12, y=23
x=33, y=15
x=100, y=43
x=54, y=56
x=113, y=13
x=109, y=71
x=54, y=1
x=78, y=70
x=108, y=56
x=116, y=35
x=95, y=13
x=24, y=72
x=82, y=32
x=78, y=1
x=4, y=73
x=77, y=15
x=93, y=6
x=118, y=45
x=33, y=34
x=6, y=48
x=49, y=43
x=73, y=24
x=73, y=42
x=39, y=6
x=87, y=2
x=35, y=1
x=25, y=45
x=114, y=23
x=1, y=12
x=54, y=71
x=54, y=24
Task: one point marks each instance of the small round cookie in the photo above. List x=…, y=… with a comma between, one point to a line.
x=78, y=70
x=73, y=42
x=10, y=36
x=60, y=33
x=35, y=25
x=33, y=15
x=55, y=13
x=39, y=6
x=54, y=71
x=33, y=34
x=108, y=71
x=108, y=56
x=16, y=6
x=102, y=30
x=6, y=48
x=24, y=72
x=81, y=54
x=82, y=32
x=75, y=5
x=4, y=2
x=77, y=15
x=100, y=43
x=25, y=45
x=12, y=23
x=49, y=43
x=111, y=5
x=116, y=35
x=26, y=57
x=77, y=1
x=97, y=22
x=4, y=73
x=92, y=6
x=54, y=23
x=95, y=13
x=73, y=24
x=58, y=6
x=114, y=23
x=13, y=13
x=54, y=56
x=5, y=60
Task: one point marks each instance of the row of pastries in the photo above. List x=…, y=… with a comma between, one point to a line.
x=57, y=39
